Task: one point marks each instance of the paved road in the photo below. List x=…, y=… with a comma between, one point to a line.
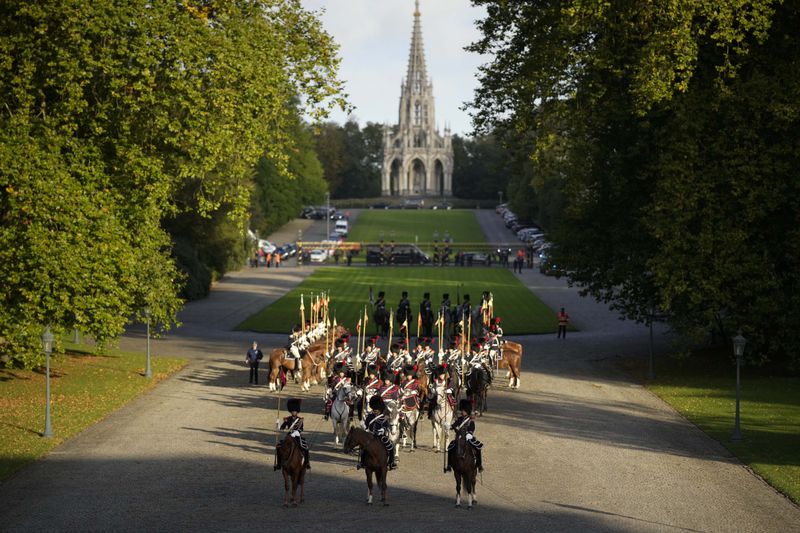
x=577, y=447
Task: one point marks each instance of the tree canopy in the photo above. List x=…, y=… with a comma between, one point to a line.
x=670, y=130
x=118, y=116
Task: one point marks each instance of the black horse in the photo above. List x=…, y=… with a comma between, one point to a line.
x=381, y=318
x=477, y=386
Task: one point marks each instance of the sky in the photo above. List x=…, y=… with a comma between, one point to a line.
x=375, y=36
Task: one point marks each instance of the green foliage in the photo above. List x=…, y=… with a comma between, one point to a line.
x=521, y=311
x=119, y=115
x=278, y=198
x=351, y=158
x=670, y=130
x=481, y=167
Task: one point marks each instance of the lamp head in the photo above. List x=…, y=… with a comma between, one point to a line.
x=47, y=340
x=738, y=345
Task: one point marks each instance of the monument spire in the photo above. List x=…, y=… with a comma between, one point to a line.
x=417, y=76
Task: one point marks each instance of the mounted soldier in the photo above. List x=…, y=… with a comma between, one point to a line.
x=443, y=383
x=388, y=391
x=377, y=423
x=373, y=383
x=293, y=424
x=338, y=380
x=463, y=315
x=446, y=314
x=465, y=423
x=404, y=317
x=409, y=390
x=297, y=346
x=381, y=315
x=426, y=315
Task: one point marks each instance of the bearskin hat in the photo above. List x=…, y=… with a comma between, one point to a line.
x=408, y=370
x=371, y=342
x=465, y=405
x=445, y=296
x=296, y=328
x=338, y=367
x=466, y=297
x=381, y=294
x=372, y=369
x=440, y=370
x=293, y=405
x=388, y=375
x=339, y=343
x=453, y=345
x=405, y=294
x=426, y=296
x=395, y=347
x=376, y=403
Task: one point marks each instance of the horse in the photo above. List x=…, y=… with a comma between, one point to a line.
x=340, y=412
x=477, y=387
x=381, y=317
x=462, y=461
x=441, y=419
x=374, y=459
x=293, y=468
x=393, y=416
x=408, y=427
x=511, y=359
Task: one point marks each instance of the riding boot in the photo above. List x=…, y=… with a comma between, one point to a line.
x=448, y=468
x=393, y=459
x=278, y=464
x=478, y=460
x=360, y=463
x=305, y=456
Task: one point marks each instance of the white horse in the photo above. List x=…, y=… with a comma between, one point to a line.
x=340, y=412
x=393, y=416
x=442, y=418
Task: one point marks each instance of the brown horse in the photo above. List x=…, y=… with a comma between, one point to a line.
x=462, y=460
x=374, y=454
x=512, y=360
x=291, y=456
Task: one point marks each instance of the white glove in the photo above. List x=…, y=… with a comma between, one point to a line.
x=469, y=436
x=449, y=391
x=379, y=432
x=278, y=423
x=296, y=433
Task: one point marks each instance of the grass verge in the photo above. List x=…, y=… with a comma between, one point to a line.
x=410, y=226
x=704, y=391
x=83, y=388
x=521, y=311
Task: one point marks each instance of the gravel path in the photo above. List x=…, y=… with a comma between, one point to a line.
x=577, y=447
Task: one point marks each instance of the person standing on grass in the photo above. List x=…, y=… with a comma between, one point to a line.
x=253, y=357
x=563, y=320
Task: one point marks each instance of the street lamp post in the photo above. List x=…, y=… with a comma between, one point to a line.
x=148, y=373
x=47, y=343
x=500, y=194
x=738, y=350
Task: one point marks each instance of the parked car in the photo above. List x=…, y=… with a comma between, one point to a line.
x=500, y=209
x=287, y=250
x=266, y=246
x=404, y=254
x=412, y=204
x=318, y=255
x=548, y=267
x=476, y=258
x=442, y=206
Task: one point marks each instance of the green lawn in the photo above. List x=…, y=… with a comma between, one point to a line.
x=84, y=389
x=770, y=415
x=416, y=225
x=521, y=311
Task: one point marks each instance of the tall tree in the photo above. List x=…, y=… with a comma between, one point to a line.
x=128, y=113
x=671, y=129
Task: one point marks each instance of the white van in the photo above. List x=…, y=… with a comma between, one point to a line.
x=341, y=227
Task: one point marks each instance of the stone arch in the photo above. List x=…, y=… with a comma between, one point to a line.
x=438, y=177
x=418, y=177
x=394, y=178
